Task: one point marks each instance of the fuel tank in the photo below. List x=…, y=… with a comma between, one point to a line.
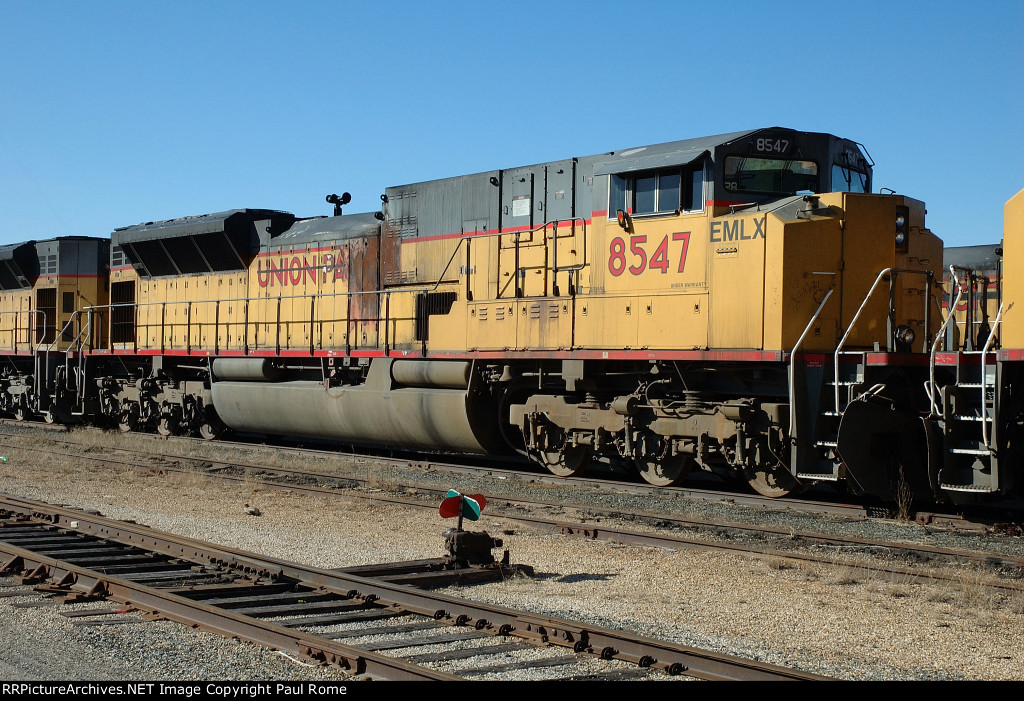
x=381, y=411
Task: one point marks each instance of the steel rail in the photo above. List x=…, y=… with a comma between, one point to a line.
x=221, y=621
x=674, y=542
x=580, y=637
x=604, y=532
x=802, y=504
x=851, y=511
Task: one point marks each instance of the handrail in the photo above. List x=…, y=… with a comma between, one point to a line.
x=14, y=341
x=543, y=227
x=792, y=362
x=384, y=295
x=46, y=363
x=39, y=345
x=988, y=343
x=257, y=299
x=458, y=246
x=28, y=329
x=969, y=320
x=849, y=329
x=579, y=266
x=78, y=337
x=950, y=315
x=83, y=333
x=58, y=334
x=893, y=273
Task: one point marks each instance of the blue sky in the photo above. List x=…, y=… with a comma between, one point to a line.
x=114, y=113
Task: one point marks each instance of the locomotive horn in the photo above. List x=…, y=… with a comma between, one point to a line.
x=338, y=202
x=344, y=199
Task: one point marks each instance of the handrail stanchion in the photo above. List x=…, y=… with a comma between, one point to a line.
x=950, y=316
x=849, y=330
x=792, y=363
x=984, y=388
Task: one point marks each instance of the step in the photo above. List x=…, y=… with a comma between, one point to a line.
x=965, y=488
x=970, y=451
x=820, y=476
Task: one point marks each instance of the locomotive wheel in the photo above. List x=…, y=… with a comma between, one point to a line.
x=667, y=472
x=772, y=481
x=129, y=418
x=20, y=413
x=209, y=425
x=166, y=426
x=211, y=429
x=567, y=462
x=49, y=417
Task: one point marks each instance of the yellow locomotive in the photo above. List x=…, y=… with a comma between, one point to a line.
x=976, y=418
x=741, y=304
x=44, y=286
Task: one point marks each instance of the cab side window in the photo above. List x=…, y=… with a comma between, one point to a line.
x=652, y=192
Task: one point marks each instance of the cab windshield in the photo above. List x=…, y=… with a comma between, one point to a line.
x=775, y=176
x=848, y=180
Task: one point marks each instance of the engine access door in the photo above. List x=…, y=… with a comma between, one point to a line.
x=737, y=253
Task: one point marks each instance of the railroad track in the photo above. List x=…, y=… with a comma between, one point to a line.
x=365, y=626
x=1007, y=569
x=943, y=519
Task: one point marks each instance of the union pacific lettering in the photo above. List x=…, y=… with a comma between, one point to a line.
x=736, y=230
x=290, y=270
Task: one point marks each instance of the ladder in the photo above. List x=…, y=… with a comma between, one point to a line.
x=967, y=408
x=846, y=383
x=968, y=411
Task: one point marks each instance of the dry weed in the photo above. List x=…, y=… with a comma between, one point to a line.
x=780, y=564
x=841, y=576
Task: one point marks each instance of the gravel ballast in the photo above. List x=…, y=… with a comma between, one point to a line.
x=825, y=619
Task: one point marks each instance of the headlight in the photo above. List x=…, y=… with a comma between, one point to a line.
x=905, y=335
x=902, y=215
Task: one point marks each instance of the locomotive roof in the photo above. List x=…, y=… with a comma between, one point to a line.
x=347, y=226
x=985, y=257
x=218, y=242
x=652, y=156
x=672, y=153
x=191, y=226
x=18, y=262
x=522, y=197
x=7, y=251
